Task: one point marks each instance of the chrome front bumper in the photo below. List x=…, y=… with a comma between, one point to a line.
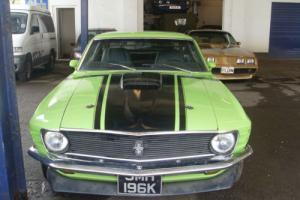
x=80, y=166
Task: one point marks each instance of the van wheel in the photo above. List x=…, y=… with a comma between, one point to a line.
x=25, y=74
x=51, y=63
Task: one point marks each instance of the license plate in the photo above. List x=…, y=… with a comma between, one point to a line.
x=227, y=70
x=175, y=7
x=139, y=185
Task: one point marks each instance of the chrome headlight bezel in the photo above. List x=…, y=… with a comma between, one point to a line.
x=62, y=142
x=230, y=137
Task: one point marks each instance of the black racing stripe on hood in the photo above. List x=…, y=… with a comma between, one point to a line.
x=99, y=103
x=181, y=106
x=140, y=110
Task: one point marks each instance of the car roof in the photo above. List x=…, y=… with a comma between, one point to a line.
x=144, y=35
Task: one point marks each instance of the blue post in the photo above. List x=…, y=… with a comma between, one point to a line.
x=84, y=23
x=12, y=176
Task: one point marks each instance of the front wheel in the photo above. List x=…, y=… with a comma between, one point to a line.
x=51, y=63
x=26, y=72
x=240, y=168
x=44, y=170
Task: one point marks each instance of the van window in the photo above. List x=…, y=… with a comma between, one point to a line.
x=47, y=21
x=34, y=22
x=18, y=22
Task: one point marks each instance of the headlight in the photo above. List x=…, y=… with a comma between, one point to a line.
x=211, y=59
x=240, y=61
x=18, y=49
x=223, y=143
x=251, y=61
x=56, y=142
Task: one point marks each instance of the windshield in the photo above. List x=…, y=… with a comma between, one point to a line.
x=213, y=39
x=18, y=22
x=142, y=54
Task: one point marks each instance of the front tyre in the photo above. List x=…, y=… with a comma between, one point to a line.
x=26, y=72
x=44, y=170
x=51, y=63
x=240, y=168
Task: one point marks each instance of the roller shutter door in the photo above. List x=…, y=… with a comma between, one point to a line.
x=285, y=30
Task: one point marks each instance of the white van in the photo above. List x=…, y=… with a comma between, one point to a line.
x=34, y=40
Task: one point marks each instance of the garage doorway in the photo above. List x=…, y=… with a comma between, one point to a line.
x=183, y=15
x=66, y=32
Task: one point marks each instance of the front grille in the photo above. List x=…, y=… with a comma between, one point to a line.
x=217, y=70
x=128, y=146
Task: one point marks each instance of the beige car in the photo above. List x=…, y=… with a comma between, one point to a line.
x=232, y=61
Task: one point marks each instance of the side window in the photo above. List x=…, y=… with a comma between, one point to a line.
x=34, y=24
x=231, y=39
x=47, y=21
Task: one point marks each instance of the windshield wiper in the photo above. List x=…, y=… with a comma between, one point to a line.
x=123, y=66
x=173, y=67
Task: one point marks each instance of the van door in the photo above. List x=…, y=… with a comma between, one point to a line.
x=35, y=40
x=48, y=36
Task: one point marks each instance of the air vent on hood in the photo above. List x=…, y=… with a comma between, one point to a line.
x=145, y=81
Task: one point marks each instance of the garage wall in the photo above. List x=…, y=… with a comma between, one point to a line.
x=210, y=12
x=123, y=15
x=249, y=21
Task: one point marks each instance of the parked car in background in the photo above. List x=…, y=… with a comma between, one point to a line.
x=91, y=33
x=141, y=115
x=34, y=40
x=171, y=6
x=232, y=61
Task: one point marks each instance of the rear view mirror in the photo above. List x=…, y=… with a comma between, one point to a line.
x=211, y=65
x=35, y=29
x=74, y=64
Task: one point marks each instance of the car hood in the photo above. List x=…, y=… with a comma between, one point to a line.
x=232, y=52
x=182, y=103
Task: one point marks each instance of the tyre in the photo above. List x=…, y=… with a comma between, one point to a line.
x=26, y=72
x=240, y=168
x=51, y=63
x=44, y=170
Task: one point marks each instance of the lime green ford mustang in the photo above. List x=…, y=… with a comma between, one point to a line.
x=141, y=115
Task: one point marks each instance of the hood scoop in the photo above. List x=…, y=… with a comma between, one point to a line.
x=142, y=81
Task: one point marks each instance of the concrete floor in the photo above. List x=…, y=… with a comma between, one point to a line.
x=272, y=101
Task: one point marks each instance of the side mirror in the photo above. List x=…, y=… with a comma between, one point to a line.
x=239, y=43
x=35, y=29
x=74, y=64
x=211, y=65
